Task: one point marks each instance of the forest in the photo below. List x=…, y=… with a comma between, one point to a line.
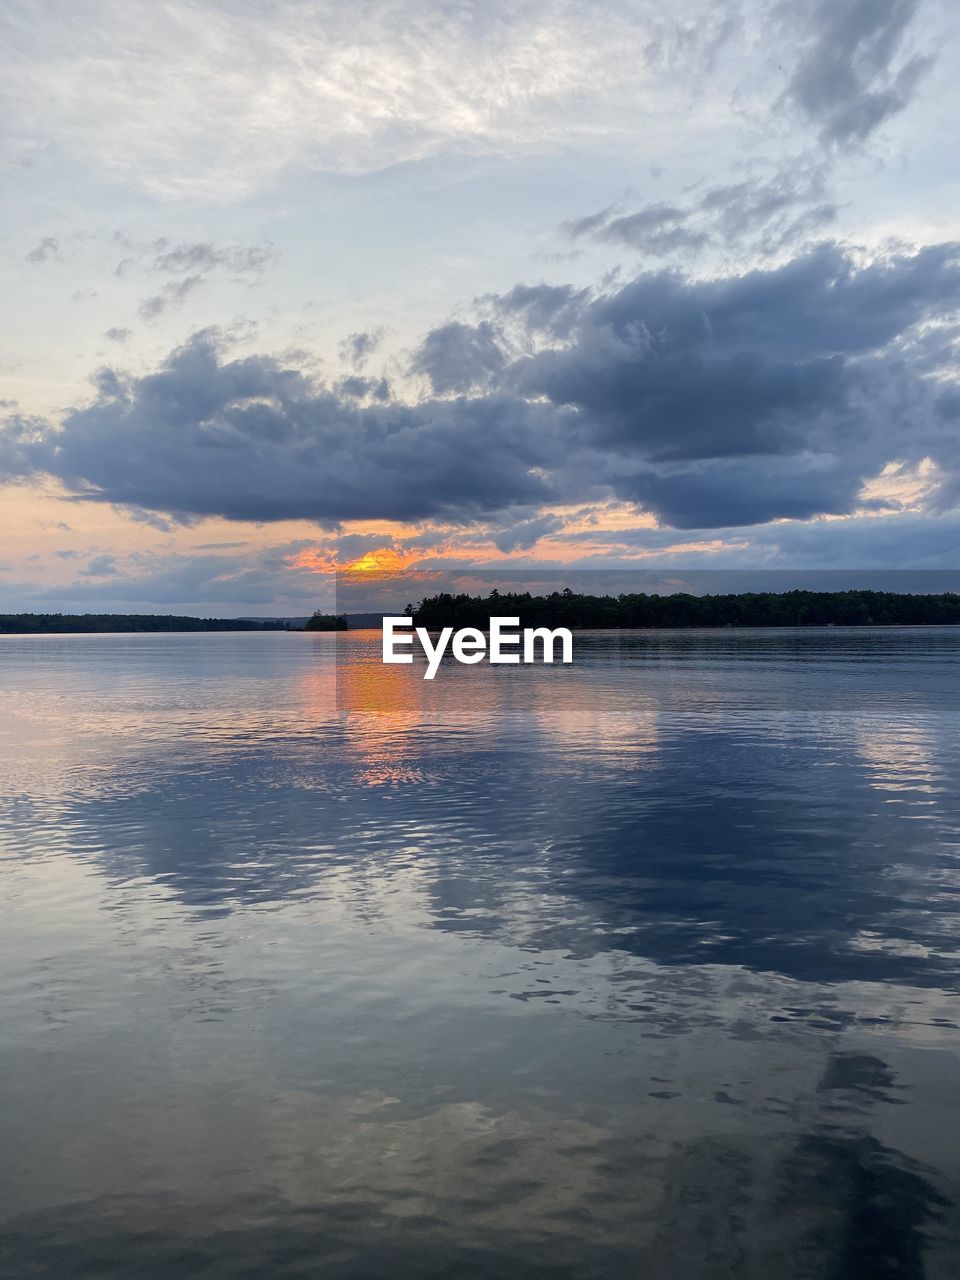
x=749, y=609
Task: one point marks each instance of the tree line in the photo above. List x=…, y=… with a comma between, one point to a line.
x=746, y=609
x=69, y=623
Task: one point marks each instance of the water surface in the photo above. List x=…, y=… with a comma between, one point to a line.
x=645, y=967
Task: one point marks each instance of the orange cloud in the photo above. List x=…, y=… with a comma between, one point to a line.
x=383, y=560
x=316, y=559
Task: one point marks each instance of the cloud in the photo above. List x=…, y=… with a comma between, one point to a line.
x=240, y=260
x=657, y=230
x=541, y=309
x=771, y=210
x=121, y=336
x=722, y=493
x=215, y=101
x=170, y=298
x=848, y=80
x=249, y=579
x=194, y=262
x=254, y=439
x=357, y=348
x=360, y=388
x=769, y=394
x=459, y=357
x=103, y=566
x=198, y=258
x=525, y=533
x=48, y=250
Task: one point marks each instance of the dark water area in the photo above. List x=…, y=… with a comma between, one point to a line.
x=643, y=967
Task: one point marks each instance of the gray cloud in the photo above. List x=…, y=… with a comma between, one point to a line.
x=912, y=540
x=194, y=262
x=589, y=223
x=848, y=80
x=459, y=357
x=776, y=210
x=525, y=533
x=48, y=250
x=102, y=566
x=252, y=439
x=359, y=388
x=770, y=394
x=722, y=493
x=657, y=230
x=170, y=298
x=193, y=257
x=357, y=348
x=714, y=403
x=240, y=260
x=541, y=308
x=765, y=213
x=915, y=540
x=118, y=335
x=246, y=581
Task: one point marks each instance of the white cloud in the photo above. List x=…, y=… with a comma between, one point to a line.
x=216, y=100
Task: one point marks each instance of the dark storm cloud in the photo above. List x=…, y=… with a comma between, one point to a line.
x=720, y=494
x=459, y=357
x=712, y=402
x=770, y=394
x=850, y=77
x=251, y=439
x=714, y=367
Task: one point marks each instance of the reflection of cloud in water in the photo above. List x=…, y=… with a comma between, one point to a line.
x=736, y=848
x=463, y=1189
x=651, y=967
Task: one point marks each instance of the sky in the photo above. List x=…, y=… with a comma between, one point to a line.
x=293, y=287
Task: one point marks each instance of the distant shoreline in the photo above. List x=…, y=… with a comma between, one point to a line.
x=36, y=624
x=636, y=612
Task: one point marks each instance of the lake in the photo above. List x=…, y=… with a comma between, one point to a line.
x=643, y=967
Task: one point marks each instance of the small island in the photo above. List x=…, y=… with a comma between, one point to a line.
x=326, y=622
x=746, y=609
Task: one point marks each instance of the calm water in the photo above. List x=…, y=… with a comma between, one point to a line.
x=646, y=967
